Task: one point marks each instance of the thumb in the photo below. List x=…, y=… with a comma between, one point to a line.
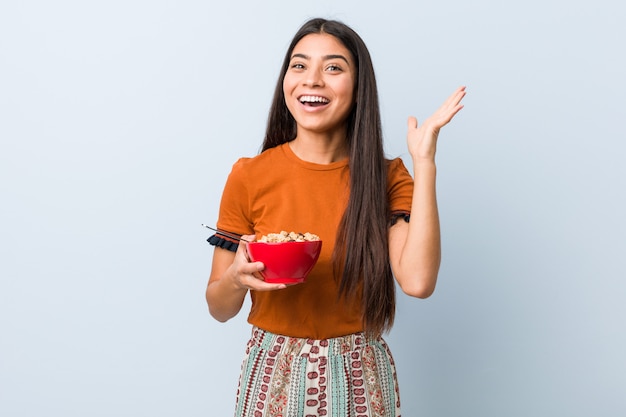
x=248, y=238
x=243, y=244
x=412, y=122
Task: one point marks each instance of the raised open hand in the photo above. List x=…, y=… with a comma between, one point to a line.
x=422, y=139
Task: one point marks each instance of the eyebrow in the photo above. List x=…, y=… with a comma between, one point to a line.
x=325, y=57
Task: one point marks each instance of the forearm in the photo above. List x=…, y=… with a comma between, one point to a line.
x=232, y=275
x=224, y=298
x=421, y=253
x=416, y=249
x=224, y=294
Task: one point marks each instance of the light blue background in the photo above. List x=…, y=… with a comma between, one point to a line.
x=119, y=122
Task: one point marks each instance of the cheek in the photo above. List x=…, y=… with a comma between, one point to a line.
x=286, y=89
x=349, y=93
x=347, y=89
x=288, y=84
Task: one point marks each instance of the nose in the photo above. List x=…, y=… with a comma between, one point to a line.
x=314, y=78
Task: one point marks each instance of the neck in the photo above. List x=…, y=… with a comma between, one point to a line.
x=320, y=149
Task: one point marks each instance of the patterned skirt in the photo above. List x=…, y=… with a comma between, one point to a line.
x=346, y=376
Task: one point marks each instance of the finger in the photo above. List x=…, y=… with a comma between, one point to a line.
x=264, y=286
x=452, y=106
x=455, y=97
x=458, y=95
x=243, y=245
x=256, y=283
x=448, y=115
x=248, y=238
x=245, y=239
x=252, y=268
x=412, y=123
x=459, y=91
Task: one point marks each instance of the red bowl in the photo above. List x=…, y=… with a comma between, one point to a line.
x=285, y=262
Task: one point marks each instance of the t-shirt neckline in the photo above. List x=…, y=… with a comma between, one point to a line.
x=311, y=165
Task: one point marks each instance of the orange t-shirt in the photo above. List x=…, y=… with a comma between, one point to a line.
x=277, y=191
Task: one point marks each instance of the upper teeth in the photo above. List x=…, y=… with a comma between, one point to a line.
x=313, y=99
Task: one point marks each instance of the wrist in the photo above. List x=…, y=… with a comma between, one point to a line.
x=424, y=163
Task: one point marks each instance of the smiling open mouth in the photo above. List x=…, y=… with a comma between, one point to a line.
x=314, y=101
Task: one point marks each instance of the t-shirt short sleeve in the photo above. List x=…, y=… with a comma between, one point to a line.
x=234, y=213
x=399, y=187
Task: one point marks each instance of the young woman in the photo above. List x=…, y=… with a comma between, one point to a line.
x=317, y=348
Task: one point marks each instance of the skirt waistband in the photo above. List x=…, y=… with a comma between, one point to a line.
x=309, y=348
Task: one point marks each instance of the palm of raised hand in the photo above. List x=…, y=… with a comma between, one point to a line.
x=422, y=139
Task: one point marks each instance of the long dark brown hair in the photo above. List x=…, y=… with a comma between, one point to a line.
x=361, y=255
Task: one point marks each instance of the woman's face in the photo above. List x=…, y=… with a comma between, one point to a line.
x=319, y=84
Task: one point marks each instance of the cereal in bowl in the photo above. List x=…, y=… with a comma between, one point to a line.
x=284, y=236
